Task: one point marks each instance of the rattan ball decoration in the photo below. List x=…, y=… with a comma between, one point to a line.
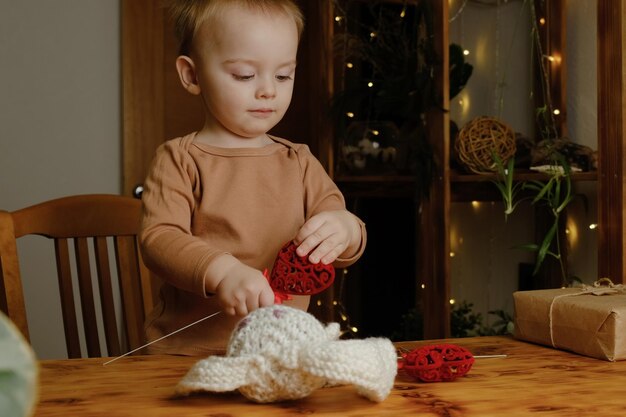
x=480, y=139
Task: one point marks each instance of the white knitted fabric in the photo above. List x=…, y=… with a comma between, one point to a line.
x=281, y=353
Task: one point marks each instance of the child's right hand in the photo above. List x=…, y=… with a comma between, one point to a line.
x=243, y=290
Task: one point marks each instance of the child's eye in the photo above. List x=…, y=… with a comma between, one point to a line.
x=283, y=77
x=243, y=77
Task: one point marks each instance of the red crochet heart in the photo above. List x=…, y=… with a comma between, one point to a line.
x=435, y=363
x=293, y=274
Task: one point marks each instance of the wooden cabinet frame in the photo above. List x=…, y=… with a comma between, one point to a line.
x=611, y=118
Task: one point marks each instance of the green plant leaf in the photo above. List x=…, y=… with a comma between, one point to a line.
x=545, y=246
x=533, y=185
x=532, y=247
x=557, y=193
x=544, y=190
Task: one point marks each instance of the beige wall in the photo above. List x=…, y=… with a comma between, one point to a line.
x=60, y=124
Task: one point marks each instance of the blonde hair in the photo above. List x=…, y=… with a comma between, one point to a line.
x=189, y=15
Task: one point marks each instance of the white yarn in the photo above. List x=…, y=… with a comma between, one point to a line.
x=281, y=353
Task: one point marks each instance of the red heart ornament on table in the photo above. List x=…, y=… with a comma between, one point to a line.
x=294, y=274
x=436, y=363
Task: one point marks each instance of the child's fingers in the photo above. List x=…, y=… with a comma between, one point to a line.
x=266, y=298
x=332, y=255
x=316, y=244
x=324, y=250
x=241, y=309
x=309, y=228
x=229, y=310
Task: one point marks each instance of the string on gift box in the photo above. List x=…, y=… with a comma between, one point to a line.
x=603, y=286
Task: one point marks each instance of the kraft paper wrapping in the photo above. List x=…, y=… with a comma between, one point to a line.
x=581, y=322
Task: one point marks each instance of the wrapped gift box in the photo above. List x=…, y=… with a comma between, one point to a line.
x=582, y=320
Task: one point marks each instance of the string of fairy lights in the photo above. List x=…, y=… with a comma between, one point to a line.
x=342, y=24
x=340, y=311
x=549, y=63
x=345, y=26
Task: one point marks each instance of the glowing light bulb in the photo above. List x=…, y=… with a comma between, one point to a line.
x=556, y=112
x=423, y=286
x=593, y=226
x=452, y=254
x=350, y=65
x=350, y=114
x=452, y=301
x=542, y=21
x=338, y=18
x=466, y=52
x=375, y=132
x=354, y=329
x=370, y=84
x=372, y=34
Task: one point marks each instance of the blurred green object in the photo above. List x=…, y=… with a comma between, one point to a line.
x=19, y=373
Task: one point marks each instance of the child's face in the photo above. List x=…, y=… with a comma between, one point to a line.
x=245, y=66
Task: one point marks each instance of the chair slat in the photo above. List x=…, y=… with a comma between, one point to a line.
x=106, y=296
x=64, y=273
x=90, y=321
x=128, y=270
x=86, y=217
x=11, y=300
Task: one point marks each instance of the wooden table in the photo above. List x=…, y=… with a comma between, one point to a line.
x=531, y=381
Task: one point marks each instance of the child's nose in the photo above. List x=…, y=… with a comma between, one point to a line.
x=266, y=89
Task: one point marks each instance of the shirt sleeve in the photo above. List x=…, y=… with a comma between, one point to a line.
x=169, y=198
x=322, y=194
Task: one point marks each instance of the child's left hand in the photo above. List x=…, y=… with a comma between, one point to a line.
x=328, y=235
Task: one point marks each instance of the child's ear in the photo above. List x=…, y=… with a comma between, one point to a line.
x=187, y=73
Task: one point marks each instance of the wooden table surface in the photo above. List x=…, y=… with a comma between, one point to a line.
x=531, y=381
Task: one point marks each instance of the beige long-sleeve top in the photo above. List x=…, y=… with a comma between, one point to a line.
x=202, y=201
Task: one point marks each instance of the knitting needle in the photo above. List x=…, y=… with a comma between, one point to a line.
x=405, y=350
x=475, y=357
x=265, y=274
x=490, y=356
x=162, y=337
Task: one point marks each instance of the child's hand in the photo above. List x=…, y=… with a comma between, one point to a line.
x=243, y=290
x=327, y=235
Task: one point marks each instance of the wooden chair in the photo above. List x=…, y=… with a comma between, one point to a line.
x=101, y=219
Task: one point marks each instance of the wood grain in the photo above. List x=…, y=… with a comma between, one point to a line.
x=611, y=151
x=142, y=88
x=433, y=232
x=532, y=380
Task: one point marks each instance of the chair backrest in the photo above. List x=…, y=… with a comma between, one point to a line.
x=81, y=219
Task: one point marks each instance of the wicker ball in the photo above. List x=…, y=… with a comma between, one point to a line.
x=480, y=139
